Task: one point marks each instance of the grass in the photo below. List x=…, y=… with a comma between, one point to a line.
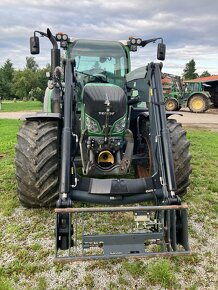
x=8, y=130
x=204, y=181
x=21, y=106
x=27, y=241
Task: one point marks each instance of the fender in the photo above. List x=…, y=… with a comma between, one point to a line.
x=42, y=115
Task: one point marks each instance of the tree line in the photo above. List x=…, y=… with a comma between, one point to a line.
x=27, y=83
x=31, y=81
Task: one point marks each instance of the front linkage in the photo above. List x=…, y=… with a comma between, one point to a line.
x=169, y=226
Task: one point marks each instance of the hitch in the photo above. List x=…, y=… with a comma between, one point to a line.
x=150, y=231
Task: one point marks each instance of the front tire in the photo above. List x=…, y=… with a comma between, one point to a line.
x=181, y=156
x=180, y=150
x=171, y=105
x=37, y=164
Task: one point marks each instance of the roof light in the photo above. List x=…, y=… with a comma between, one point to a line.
x=133, y=41
x=64, y=44
x=59, y=36
x=65, y=37
x=139, y=41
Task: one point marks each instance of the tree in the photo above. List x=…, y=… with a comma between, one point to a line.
x=6, y=76
x=23, y=82
x=31, y=64
x=41, y=84
x=189, y=70
x=27, y=83
x=205, y=74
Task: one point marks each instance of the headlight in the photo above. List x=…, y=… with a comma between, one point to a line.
x=119, y=125
x=92, y=125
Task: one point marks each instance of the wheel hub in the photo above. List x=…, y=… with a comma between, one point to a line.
x=198, y=104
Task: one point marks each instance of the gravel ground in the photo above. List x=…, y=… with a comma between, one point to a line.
x=13, y=115
x=207, y=120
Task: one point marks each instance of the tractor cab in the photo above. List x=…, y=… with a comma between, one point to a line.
x=99, y=61
x=99, y=65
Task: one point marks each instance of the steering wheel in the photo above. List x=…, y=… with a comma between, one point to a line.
x=100, y=77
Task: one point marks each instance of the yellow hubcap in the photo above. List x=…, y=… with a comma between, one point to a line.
x=170, y=105
x=198, y=104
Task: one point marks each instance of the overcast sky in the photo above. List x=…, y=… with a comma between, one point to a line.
x=189, y=28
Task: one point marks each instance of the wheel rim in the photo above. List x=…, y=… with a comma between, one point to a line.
x=198, y=104
x=170, y=105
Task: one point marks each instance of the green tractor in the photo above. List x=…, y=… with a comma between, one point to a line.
x=98, y=142
x=186, y=94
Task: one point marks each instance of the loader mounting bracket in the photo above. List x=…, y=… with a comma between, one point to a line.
x=159, y=230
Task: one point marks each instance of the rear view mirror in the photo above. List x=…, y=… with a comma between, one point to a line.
x=161, y=51
x=34, y=45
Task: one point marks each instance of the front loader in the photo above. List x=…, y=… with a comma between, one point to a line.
x=106, y=140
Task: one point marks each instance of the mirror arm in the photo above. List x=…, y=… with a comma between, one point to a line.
x=145, y=42
x=40, y=32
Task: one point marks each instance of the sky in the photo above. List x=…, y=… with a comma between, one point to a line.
x=189, y=28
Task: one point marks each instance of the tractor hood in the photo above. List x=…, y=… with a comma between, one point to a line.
x=103, y=105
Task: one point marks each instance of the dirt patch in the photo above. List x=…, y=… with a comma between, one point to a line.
x=12, y=115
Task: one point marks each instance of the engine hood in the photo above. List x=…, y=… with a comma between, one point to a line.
x=101, y=101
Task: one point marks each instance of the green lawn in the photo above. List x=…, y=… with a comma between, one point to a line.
x=27, y=241
x=21, y=106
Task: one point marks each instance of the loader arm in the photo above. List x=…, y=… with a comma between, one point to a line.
x=147, y=80
x=160, y=139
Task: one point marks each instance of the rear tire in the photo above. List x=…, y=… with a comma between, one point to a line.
x=171, y=105
x=198, y=103
x=37, y=164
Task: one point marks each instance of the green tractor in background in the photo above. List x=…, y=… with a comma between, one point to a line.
x=189, y=94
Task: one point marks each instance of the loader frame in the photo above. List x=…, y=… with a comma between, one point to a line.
x=159, y=188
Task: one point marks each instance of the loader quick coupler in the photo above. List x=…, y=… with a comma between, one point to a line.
x=157, y=230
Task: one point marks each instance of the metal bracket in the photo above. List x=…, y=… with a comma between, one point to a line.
x=168, y=230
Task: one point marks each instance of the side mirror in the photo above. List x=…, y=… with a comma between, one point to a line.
x=161, y=51
x=34, y=45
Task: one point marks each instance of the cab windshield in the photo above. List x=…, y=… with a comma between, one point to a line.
x=99, y=61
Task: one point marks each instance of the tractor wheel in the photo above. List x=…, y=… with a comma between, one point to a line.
x=171, y=105
x=198, y=103
x=37, y=163
x=181, y=156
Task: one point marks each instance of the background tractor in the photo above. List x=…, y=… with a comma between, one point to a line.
x=105, y=138
x=180, y=94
